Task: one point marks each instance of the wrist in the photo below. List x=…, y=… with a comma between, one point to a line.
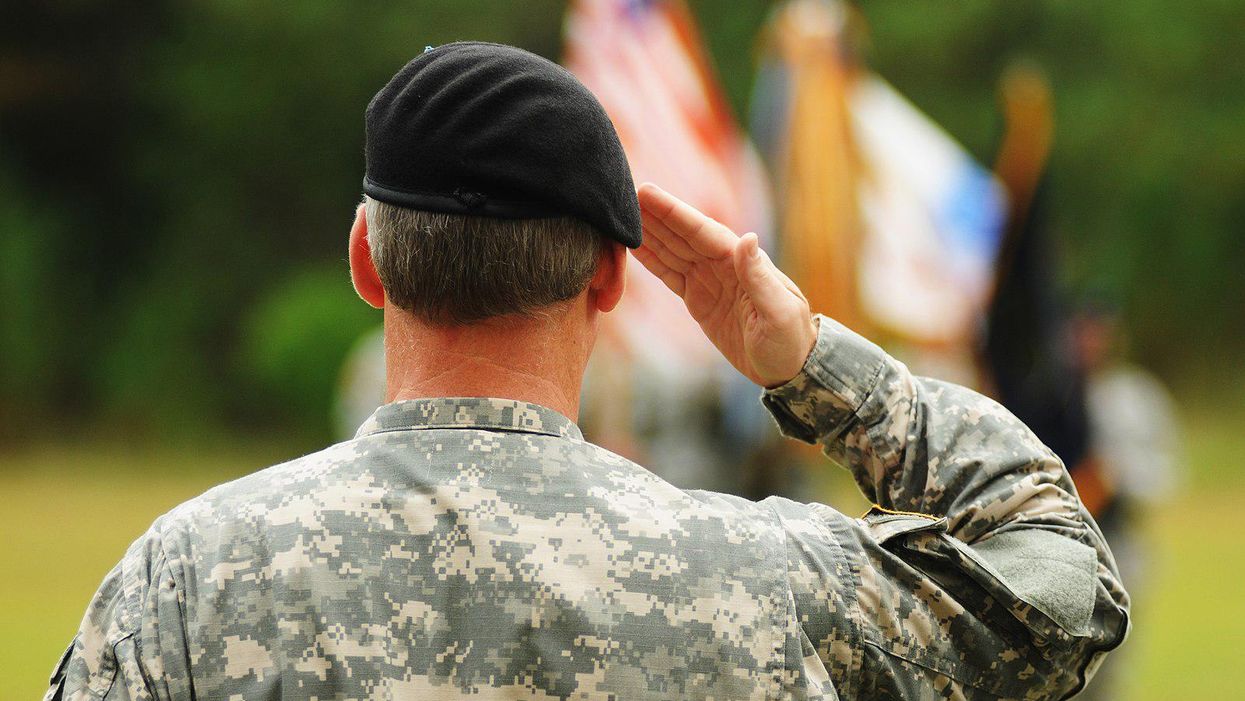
x=807, y=346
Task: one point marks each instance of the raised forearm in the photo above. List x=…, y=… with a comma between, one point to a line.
x=924, y=446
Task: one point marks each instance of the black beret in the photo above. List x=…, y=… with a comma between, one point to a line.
x=496, y=131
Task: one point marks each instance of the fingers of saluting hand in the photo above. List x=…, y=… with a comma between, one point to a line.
x=667, y=245
x=682, y=229
x=672, y=278
x=657, y=247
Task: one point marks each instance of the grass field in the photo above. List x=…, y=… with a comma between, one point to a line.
x=67, y=514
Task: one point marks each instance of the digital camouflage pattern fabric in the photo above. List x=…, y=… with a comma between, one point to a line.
x=480, y=547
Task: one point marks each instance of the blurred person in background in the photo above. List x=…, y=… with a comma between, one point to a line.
x=1061, y=369
x=468, y=542
x=1133, y=427
x=1135, y=439
x=360, y=384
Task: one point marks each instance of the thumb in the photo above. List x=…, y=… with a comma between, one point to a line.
x=760, y=279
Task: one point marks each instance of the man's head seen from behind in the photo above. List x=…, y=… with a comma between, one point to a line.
x=495, y=187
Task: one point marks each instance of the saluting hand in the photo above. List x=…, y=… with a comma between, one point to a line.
x=752, y=312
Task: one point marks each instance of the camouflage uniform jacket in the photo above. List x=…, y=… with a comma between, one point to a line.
x=480, y=547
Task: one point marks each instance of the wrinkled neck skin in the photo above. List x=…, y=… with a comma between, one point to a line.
x=537, y=360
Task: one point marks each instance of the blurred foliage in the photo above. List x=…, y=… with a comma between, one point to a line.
x=296, y=339
x=168, y=165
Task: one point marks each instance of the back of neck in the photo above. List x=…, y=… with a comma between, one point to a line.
x=537, y=360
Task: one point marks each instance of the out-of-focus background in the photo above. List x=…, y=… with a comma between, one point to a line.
x=1042, y=199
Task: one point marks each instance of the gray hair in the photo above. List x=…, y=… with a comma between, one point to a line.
x=455, y=269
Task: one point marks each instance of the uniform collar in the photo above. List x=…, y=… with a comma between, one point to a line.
x=485, y=413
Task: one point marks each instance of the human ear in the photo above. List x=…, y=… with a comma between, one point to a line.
x=610, y=280
x=362, y=269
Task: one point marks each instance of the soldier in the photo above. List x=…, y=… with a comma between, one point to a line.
x=468, y=542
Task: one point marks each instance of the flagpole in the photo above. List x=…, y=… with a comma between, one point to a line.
x=819, y=167
x=1029, y=125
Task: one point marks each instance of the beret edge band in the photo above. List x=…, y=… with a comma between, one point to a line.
x=457, y=203
x=467, y=203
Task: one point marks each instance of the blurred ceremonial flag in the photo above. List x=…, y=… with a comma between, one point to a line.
x=657, y=390
x=888, y=223
x=645, y=61
x=933, y=219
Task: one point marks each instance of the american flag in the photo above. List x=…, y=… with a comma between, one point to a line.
x=646, y=63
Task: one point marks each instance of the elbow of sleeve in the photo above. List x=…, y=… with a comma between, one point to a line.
x=1109, y=629
x=1066, y=595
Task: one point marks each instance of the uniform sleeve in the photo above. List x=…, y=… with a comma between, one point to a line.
x=977, y=574
x=131, y=643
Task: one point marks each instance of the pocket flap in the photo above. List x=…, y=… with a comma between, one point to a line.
x=1052, y=573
